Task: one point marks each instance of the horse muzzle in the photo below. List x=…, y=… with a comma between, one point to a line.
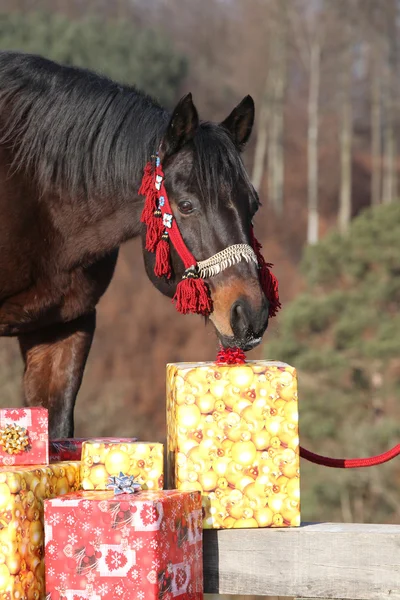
x=247, y=323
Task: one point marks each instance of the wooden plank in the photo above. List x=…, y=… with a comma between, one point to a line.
x=316, y=560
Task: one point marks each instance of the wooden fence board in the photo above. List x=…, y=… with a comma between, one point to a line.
x=317, y=560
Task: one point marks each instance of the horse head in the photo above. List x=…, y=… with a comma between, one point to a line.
x=213, y=204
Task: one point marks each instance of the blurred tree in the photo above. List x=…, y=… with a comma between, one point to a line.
x=277, y=89
x=390, y=191
x=261, y=127
x=115, y=48
x=371, y=29
x=308, y=27
x=379, y=26
x=343, y=335
x=376, y=126
x=312, y=137
x=269, y=125
x=346, y=128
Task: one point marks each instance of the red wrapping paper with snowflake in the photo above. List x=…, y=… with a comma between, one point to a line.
x=24, y=438
x=144, y=546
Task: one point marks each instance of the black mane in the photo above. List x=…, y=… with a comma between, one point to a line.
x=78, y=131
x=75, y=129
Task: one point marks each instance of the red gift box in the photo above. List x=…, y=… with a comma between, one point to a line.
x=24, y=438
x=144, y=546
x=71, y=448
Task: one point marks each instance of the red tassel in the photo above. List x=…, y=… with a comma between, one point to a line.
x=193, y=296
x=268, y=281
x=269, y=285
x=147, y=189
x=163, y=265
x=256, y=245
x=150, y=205
x=148, y=180
x=154, y=232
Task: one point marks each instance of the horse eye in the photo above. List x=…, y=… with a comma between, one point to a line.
x=185, y=207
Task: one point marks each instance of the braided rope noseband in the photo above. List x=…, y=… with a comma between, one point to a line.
x=226, y=258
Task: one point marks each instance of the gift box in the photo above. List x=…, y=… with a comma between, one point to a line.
x=70, y=449
x=66, y=449
x=102, y=459
x=142, y=546
x=233, y=435
x=22, y=491
x=24, y=436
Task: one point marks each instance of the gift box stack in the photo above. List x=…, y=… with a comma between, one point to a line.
x=26, y=480
x=122, y=535
x=233, y=436
x=108, y=527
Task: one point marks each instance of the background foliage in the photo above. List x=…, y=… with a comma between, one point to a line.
x=117, y=48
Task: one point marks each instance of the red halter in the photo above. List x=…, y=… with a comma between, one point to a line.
x=192, y=293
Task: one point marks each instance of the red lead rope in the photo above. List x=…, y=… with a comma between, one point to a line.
x=350, y=463
x=235, y=356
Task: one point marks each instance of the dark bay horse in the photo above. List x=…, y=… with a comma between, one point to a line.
x=73, y=146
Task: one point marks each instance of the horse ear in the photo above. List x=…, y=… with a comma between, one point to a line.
x=181, y=128
x=240, y=122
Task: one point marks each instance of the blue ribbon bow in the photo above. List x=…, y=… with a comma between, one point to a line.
x=123, y=484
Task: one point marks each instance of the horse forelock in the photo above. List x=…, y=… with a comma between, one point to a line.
x=218, y=165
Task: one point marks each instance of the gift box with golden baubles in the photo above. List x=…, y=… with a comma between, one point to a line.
x=22, y=492
x=105, y=458
x=70, y=449
x=233, y=436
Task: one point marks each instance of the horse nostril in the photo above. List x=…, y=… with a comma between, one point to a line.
x=248, y=323
x=240, y=321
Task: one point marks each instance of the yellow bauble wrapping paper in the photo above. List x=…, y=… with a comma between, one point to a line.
x=233, y=435
x=102, y=460
x=22, y=491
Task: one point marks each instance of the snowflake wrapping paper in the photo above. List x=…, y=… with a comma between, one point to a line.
x=104, y=458
x=143, y=546
x=18, y=425
x=22, y=491
x=71, y=448
x=232, y=434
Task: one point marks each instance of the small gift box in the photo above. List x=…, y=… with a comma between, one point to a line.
x=233, y=435
x=143, y=546
x=22, y=491
x=102, y=458
x=71, y=448
x=24, y=438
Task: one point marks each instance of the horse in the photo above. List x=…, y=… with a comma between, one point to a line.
x=73, y=146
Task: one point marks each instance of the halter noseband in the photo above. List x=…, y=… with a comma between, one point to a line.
x=192, y=293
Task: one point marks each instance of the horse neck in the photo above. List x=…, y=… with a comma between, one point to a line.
x=93, y=226
x=89, y=234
